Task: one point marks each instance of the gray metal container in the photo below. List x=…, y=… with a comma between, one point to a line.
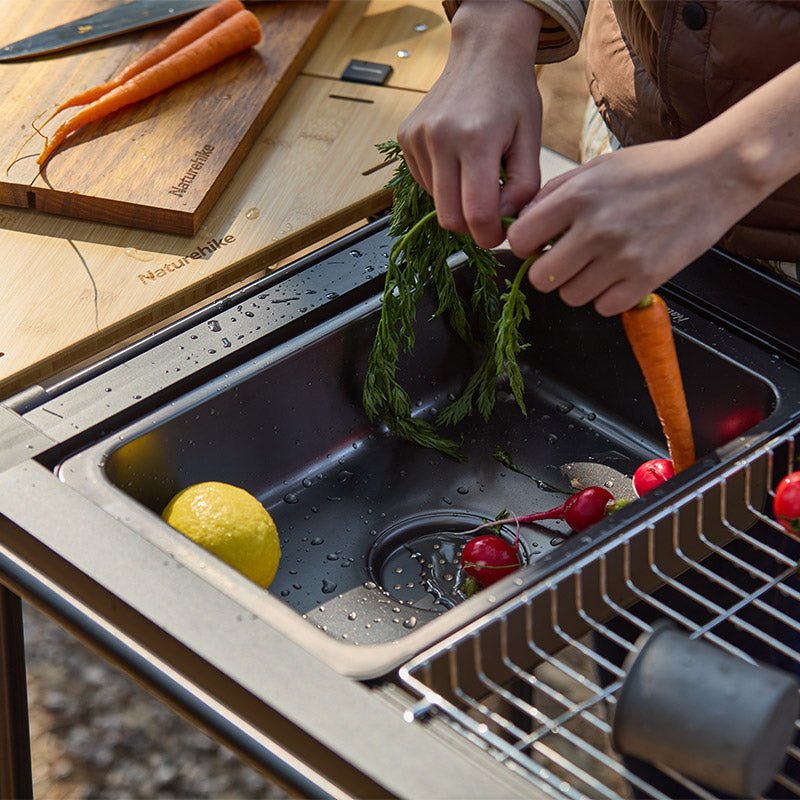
x=711, y=716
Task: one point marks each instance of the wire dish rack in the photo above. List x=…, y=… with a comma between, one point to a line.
x=535, y=682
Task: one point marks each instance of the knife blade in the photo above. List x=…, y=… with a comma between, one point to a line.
x=130, y=16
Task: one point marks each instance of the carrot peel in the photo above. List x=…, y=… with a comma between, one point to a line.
x=648, y=328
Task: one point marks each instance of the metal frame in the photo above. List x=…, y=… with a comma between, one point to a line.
x=16, y=780
x=463, y=681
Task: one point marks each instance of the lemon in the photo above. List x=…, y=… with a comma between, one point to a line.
x=230, y=523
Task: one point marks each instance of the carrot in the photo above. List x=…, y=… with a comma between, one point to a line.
x=649, y=330
x=230, y=37
x=192, y=29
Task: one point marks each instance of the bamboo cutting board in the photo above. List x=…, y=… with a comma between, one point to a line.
x=157, y=165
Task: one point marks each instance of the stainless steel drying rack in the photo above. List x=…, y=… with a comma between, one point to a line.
x=522, y=682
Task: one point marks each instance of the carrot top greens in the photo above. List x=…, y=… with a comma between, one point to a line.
x=483, y=316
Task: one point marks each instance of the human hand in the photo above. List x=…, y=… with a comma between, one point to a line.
x=483, y=112
x=629, y=220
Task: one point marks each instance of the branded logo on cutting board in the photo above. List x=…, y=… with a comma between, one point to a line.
x=201, y=252
x=198, y=161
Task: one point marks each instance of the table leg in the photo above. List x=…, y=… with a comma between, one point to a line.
x=15, y=744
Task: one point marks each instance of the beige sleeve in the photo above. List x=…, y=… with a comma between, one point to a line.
x=561, y=28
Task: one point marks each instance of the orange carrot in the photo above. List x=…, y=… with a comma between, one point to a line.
x=649, y=330
x=230, y=37
x=192, y=29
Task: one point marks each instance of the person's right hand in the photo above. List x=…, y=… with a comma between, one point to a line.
x=484, y=112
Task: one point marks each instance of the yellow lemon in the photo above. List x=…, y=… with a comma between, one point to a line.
x=230, y=523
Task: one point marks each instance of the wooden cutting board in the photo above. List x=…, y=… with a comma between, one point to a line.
x=131, y=168
x=71, y=289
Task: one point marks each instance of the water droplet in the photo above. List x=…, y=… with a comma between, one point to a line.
x=297, y=586
x=332, y=557
x=462, y=490
x=551, y=438
x=564, y=407
x=290, y=498
x=331, y=295
x=356, y=253
x=138, y=255
x=307, y=482
x=591, y=416
x=213, y=325
x=108, y=388
x=352, y=615
x=370, y=585
x=344, y=475
x=317, y=540
x=328, y=587
x=285, y=592
x=253, y=213
x=137, y=397
x=403, y=54
x=420, y=27
x=411, y=622
x=609, y=484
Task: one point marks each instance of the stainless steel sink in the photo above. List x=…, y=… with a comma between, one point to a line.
x=365, y=519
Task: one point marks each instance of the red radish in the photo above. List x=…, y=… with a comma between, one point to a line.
x=579, y=511
x=651, y=474
x=786, y=504
x=488, y=558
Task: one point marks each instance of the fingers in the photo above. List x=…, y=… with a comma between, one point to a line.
x=559, y=265
x=480, y=199
x=538, y=223
x=522, y=172
x=446, y=191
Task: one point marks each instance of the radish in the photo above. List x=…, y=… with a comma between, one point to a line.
x=651, y=474
x=488, y=558
x=579, y=511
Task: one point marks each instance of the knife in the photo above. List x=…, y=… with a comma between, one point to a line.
x=124, y=17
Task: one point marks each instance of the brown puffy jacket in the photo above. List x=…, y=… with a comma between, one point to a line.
x=661, y=68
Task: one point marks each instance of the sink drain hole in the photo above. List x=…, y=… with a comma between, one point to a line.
x=417, y=560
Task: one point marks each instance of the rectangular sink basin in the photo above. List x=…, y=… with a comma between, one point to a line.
x=370, y=525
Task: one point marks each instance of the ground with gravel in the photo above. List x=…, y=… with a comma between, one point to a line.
x=96, y=734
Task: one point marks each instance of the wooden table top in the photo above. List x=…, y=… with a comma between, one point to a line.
x=72, y=288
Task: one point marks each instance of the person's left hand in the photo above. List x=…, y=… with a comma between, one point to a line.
x=630, y=221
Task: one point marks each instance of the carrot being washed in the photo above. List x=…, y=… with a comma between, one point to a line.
x=192, y=29
x=232, y=36
x=649, y=330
